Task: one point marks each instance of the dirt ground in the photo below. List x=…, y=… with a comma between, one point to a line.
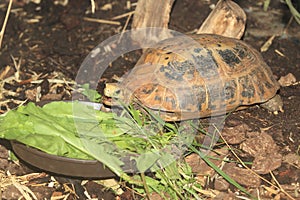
x=48, y=41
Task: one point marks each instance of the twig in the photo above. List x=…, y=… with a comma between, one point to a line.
x=17, y=66
x=284, y=32
x=145, y=186
x=125, y=26
x=267, y=44
x=279, y=53
x=23, y=189
x=93, y=6
x=58, y=81
x=279, y=186
x=123, y=15
x=5, y=22
x=102, y=21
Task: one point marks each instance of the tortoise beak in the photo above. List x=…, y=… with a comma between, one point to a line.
x=107, y=101
x=110, y=95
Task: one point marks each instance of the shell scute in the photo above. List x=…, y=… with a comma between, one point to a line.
x=241, y=51
x=206, y=65
x=229, y=57
x=230, y=88
x=247, y=92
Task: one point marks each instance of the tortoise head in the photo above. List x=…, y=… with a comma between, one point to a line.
x=111, y=91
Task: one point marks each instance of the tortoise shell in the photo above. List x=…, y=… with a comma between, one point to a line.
x=199, y=76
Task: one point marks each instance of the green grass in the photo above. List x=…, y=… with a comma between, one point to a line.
x=176, y=180
x=293, y=10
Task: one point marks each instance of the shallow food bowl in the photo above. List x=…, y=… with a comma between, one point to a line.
x=61, y=165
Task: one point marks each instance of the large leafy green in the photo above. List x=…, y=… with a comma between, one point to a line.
x=64, y=129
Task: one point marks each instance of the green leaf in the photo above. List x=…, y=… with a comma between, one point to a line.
x=91, y=94
x=147, y=160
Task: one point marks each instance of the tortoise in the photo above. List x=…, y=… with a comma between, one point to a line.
x=198, y=76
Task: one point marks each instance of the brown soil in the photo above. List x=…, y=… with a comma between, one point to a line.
x=51, y=41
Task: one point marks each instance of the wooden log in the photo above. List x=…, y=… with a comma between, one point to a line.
x=226, y=19
x=149, y=13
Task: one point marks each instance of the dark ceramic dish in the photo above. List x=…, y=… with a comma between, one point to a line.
x=62, y=165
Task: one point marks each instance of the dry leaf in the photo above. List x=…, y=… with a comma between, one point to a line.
x=287, y=80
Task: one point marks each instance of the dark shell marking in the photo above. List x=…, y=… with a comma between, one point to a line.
x=209, y=75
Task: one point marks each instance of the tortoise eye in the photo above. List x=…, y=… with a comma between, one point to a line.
x=117, y=92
